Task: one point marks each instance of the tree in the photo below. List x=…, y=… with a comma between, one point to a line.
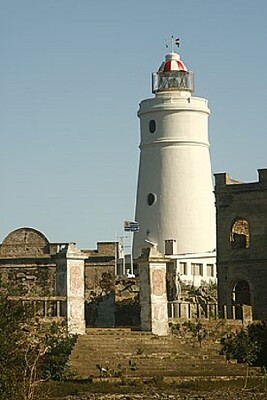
x=31, y=351
x=11, y=354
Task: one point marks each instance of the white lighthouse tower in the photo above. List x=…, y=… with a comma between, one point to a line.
x=175, y=203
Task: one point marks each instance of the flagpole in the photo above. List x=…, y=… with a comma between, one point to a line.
x=123, y=254
x=116, y=253
x=131, y=253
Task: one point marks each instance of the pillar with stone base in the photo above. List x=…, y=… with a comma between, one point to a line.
x=70, y=283
x=153, y=292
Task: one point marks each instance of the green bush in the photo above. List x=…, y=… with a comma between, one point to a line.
x=258, y=333
x=248, y=345
x=55, y=361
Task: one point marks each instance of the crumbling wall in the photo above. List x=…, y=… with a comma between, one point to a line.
x=241, y=242
x=24, y=242
x=100, y=285
x=26, y=266
x=25, y=280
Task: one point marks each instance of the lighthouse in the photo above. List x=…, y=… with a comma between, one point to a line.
x=175, y=203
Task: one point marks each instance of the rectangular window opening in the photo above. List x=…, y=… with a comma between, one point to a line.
x=210, y=270
x=183, y=268
x=197, y=269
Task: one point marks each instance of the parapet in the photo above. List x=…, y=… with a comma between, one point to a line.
x=262, y=176
x=223, y=181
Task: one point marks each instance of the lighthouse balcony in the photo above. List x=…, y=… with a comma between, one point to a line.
x=174, y=80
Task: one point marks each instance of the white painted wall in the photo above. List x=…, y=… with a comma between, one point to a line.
x=187, y=273
x=175, y=166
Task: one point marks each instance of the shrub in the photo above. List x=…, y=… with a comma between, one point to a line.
x=11, y=351
x=59, y=345
x=248, y=345
x=240, y=347
x=30, y=351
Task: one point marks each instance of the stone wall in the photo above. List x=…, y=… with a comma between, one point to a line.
x=27, y=267
x=26, y=243
x=241, y=242
x=31, y=266
x=26, y=280
x=100, y=285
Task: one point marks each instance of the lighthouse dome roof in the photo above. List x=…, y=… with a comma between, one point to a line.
x=172, y=63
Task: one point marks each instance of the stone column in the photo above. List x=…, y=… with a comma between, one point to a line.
x=70, y=283
x=153, y=296
x=247, y=313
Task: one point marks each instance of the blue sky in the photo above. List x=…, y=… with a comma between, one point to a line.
x=72, y=75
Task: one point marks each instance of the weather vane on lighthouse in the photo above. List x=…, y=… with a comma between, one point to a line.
x=174, y=42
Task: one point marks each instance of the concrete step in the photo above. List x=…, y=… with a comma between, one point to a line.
x=144, y=348
x=159, y=371
x=153, y=356
x=139, y=345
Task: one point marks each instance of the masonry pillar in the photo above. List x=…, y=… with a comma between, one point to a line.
x=70, y=283
x=247, y=313
x=153, y=292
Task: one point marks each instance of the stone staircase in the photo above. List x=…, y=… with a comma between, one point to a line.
x=139, y=354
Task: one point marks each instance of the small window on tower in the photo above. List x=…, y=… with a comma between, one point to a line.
x=152, y=126
x=151, y=199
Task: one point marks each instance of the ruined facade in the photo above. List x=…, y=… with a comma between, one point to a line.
x=31, y=267
x=242, y=242
x=28, y=263
x=99, y=274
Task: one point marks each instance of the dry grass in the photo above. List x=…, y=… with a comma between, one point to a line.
x=60, y=390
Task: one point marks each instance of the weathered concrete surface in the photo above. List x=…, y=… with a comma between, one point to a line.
x=153, y=293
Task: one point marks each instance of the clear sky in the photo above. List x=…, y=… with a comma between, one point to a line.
x=72, y=75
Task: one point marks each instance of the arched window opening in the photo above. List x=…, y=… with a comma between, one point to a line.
x=239, y=236
x=241, y=293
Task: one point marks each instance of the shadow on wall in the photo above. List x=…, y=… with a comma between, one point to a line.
x=128, y=313
x=100, y=311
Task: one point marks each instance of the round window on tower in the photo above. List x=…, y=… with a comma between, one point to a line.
x=152, y=126
x=151, y=199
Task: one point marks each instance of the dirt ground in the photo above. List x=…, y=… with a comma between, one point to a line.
x=218, y=395
x=159, y=389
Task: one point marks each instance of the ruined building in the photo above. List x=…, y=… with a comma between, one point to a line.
x=31, y=267
x=242, y=242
